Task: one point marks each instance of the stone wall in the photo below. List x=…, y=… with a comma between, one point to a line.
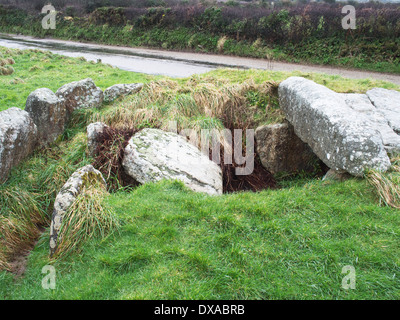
x=45, y=117
x=41, y=123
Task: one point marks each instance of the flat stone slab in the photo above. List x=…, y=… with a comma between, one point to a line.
x=363, y=105
x=388, y=103
x=338, y=135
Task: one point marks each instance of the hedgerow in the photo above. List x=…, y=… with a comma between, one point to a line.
x=302, y=32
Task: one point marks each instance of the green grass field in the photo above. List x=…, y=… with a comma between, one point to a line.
x=289, y=243
x=39, y=69
x=175, y=244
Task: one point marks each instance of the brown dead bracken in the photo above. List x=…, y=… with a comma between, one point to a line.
x=110, y=153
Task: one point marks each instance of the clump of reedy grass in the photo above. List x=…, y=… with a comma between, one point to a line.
x=27, y=198
x=221, y=44
x=160, y=102
x=20, y=219
x=17, y=235
x=87, y=218
x=387, y=184
x=6, y=71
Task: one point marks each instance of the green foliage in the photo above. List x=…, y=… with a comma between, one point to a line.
x=110, y=15
x=210, y=20
x=153, y=17
x=70, y=11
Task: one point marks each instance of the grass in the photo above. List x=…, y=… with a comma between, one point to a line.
x=194, y=103
x=35, y=69
x=28, y=196
x=175, y=244
x=290, y=243
x=333, y=82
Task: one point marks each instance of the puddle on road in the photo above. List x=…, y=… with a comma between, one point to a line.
x=128, y=62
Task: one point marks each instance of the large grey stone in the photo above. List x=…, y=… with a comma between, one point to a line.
x=80, y=95
x=49, y=114
x=363, y=105
x=336, y=133
x=18, y=139
x=85, y=176
x=153, y=155
x=118, y=90
x=388, y=103
x=93, y=132
x=280, y=150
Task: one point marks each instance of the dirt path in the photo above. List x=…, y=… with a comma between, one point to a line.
x=214, y=60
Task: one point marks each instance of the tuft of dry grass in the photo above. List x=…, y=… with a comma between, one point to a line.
x=160, y=102
x=387, y=185
x=22, y=203
x=17, y=235
x=5, y=66
x=221, y=44
x=17, y=81
x=10, y=61
x=6, y=71
x=35, y=68
x=86, y=219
